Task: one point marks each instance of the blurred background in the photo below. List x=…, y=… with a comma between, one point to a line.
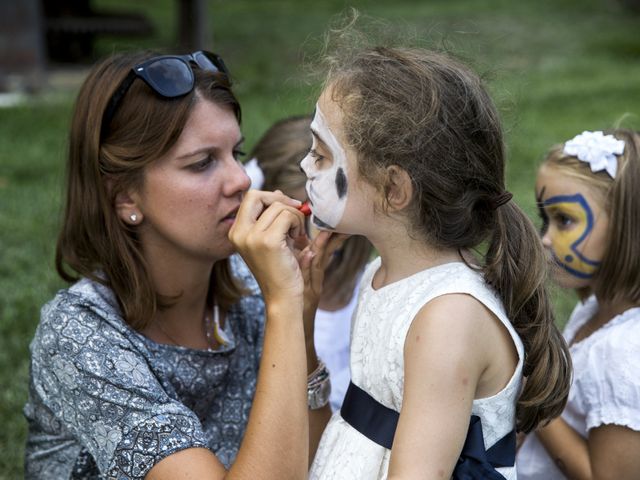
x=555, y=68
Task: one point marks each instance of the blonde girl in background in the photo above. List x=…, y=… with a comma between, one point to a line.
x=587, y=192
x=275, y=165
x=408, y=152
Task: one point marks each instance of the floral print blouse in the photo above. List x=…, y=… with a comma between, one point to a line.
x=107, y=402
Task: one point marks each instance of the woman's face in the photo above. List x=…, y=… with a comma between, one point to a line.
x=190, y=196
x=575, y=226
x=338, y=196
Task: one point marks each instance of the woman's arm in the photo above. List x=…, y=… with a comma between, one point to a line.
x=275, y=445
x=323, y=247
x=444, y=358
x=610, y=452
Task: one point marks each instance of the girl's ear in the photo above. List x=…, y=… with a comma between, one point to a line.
x=399, y=188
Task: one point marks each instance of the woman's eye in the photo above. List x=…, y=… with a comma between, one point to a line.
x=237, y=154
x=202, y=164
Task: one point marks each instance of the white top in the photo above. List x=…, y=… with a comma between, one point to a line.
x=605, y=388
x=331, y=337
x=380, y=325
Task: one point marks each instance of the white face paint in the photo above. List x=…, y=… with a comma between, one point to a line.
x=326, y=177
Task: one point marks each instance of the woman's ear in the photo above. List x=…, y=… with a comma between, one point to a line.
x=399, y=188
x=126, y=206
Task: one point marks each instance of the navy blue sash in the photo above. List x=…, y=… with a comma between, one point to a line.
x=378, y=423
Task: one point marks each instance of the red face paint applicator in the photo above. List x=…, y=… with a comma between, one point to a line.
x=305, y=209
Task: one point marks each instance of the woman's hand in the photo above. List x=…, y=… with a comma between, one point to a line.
x=266, y=226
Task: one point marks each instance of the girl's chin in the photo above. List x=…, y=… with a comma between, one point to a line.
x=565, y=280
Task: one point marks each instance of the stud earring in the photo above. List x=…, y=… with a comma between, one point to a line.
x=133, y=217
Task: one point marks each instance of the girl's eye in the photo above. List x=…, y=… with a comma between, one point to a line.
x=237, y=154
x=315, y=155
x=563, y=221
x=202, y=164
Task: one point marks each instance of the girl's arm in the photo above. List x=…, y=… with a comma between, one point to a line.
x=275, y=445
x=444, y=356
x=610, y=452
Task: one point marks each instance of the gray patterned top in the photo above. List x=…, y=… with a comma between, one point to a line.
x=107, y=402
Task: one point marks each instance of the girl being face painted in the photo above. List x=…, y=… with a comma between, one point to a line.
x=575, y=226
x=326, y=169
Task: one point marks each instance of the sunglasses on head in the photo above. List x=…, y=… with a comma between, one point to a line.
x=169, y=76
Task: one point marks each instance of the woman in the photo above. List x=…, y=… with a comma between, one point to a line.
x=147, y=366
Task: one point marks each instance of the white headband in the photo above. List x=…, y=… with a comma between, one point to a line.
x=597, y=149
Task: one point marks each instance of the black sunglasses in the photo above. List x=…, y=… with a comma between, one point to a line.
x=169, y=76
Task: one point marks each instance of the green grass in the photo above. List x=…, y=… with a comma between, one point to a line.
x=555, y=68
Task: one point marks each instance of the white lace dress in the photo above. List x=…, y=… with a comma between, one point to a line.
x=380, y=325
x=605, y=388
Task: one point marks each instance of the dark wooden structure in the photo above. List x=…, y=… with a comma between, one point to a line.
x=36, y=33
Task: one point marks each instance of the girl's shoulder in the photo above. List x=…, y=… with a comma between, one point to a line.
x=454, y=276
x=618, y=341
x=605, y=372
x=614, y=336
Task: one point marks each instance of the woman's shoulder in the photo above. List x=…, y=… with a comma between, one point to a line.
x=77, y=314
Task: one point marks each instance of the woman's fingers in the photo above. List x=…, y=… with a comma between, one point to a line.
x=264, y=233
x=254, y=203
x=251, y=209
x=269, y=215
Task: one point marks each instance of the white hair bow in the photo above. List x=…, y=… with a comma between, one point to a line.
x=597, y=149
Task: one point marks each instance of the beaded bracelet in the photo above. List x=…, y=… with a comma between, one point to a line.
x=318, y=387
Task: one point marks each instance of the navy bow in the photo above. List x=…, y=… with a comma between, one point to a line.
x=378, y=423
x=477, y=463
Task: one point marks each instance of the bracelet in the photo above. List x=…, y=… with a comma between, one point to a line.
x=318, y=387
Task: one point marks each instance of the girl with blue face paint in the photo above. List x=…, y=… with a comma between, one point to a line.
x=587, y=194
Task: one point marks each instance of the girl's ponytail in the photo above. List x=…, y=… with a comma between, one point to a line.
x=516, y=267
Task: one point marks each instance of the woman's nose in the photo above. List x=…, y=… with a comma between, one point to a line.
x=237, y=179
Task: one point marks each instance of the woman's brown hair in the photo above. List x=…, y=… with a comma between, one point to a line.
x=431, y=115
x=93, y=241
x=278, y=153
x=618, y=277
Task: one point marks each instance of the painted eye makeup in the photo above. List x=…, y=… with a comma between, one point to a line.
x=563, y=220
x=316, y=156
x=573, y=221
x=326, y=169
